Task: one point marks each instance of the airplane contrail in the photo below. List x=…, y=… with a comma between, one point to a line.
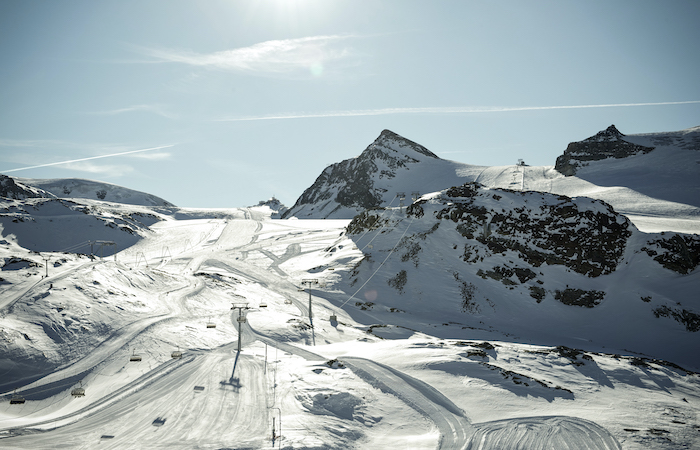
x=89, y=158
x=437, y=110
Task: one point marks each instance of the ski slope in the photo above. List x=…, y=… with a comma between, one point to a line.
x=362, y=381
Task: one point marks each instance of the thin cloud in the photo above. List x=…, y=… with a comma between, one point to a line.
x=159, y=156
x=73, y=161
x=312, y=55
x=27, y=143
x=437, y=110
x=115, y=170
x=155, y=109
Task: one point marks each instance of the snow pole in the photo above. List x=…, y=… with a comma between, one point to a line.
x=274, y=435
x=311, y=316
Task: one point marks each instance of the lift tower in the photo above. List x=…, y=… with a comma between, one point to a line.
x=241, y=320
x=309, y=282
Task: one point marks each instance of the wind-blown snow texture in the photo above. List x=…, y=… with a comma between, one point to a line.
x=483, y=315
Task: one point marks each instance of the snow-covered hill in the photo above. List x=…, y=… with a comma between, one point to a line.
x=538, y=265
x=94, y=190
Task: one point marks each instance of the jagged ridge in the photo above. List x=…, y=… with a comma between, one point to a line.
x=353, y=183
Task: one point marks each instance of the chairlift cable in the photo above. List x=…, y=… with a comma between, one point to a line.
x=380, y=228
x=380, y=266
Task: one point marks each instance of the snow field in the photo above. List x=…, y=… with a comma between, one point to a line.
x=413, y=378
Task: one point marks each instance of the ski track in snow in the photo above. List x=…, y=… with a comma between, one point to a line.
x=221, y=397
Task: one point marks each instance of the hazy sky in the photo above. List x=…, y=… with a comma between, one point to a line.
x=235, y=101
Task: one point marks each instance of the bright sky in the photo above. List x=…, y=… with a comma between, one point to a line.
x=225, y=103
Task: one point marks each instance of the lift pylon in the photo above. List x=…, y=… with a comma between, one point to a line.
x=241, y=320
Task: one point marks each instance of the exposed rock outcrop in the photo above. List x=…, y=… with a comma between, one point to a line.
x=9, y=188
x=585, y=235
x=346, y=188
x=609, y=143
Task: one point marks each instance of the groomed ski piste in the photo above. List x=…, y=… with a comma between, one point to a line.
x=299, y=381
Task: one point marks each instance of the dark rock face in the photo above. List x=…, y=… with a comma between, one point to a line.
x=579, y=297
x=484, y=235
x=689, y=319
x=588, y=238
x=680, y=253
x=350, y=183
x=609, y=143
x=9, y=188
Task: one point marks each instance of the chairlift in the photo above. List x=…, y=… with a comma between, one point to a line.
x=211, y=324
x=334, y=318
x=263, y=305
x=177, y=354
x=79, y=391
x=241, y=319
x=134, y=357
x=16, y=399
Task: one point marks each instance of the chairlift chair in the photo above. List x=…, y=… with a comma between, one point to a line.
x=211, y=325
x=241, y=319
x=334, y=318
x=263, y=305
x=79, y=391
x=177, y=354
x=134, y=357
x=287, y=301
x=16, y=399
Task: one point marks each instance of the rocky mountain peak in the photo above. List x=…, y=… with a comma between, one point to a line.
x=343, y=189
x=389, y=140
x=609, y=143
x=609, y=134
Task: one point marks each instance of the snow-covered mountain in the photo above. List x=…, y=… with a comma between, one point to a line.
x=94, y=190
x=657, y=190
x=56, y=225
x=390, y=165
x=606, y=144
x=506, y=307
x=530, y=261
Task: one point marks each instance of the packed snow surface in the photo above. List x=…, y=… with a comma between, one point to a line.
x=311, y=374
